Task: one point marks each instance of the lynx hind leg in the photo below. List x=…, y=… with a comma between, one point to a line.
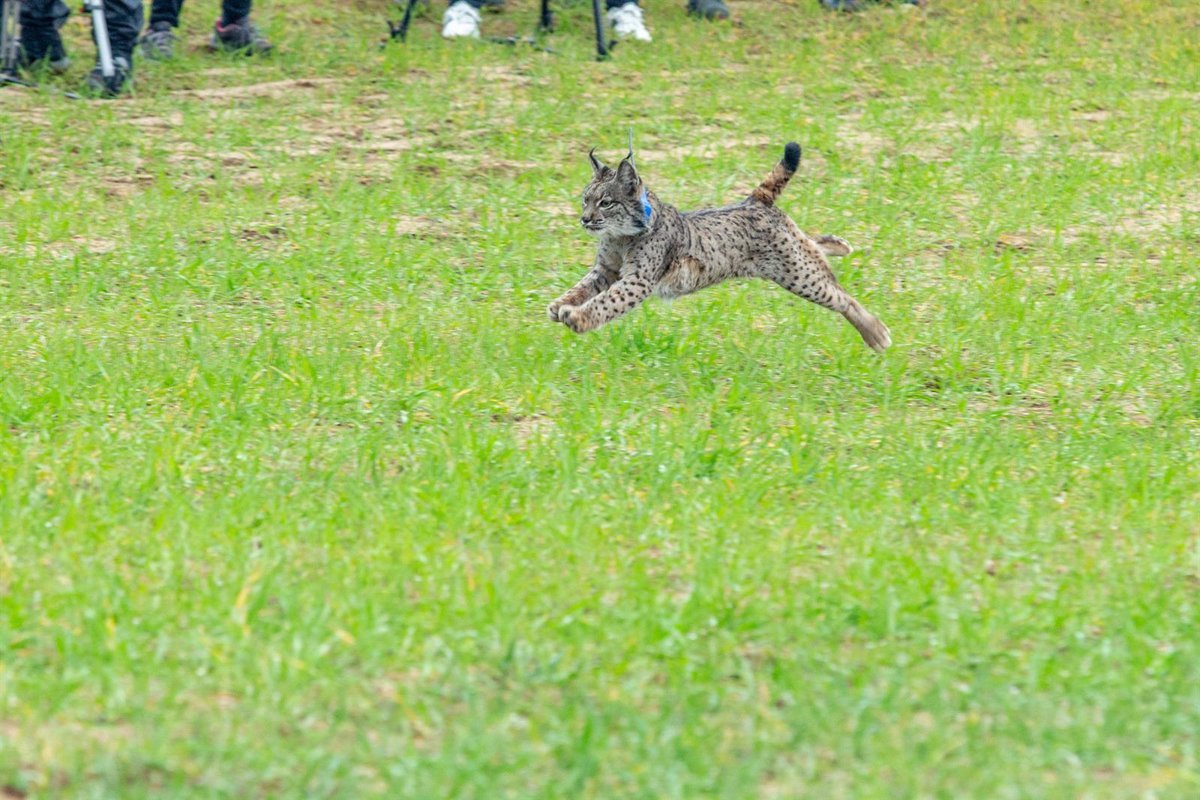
x=833, y=245
x=804, y=272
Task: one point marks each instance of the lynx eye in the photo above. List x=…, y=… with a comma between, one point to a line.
x=606, y=203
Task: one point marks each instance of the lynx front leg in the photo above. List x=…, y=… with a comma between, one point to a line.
x=621, y=297
x=592, y=284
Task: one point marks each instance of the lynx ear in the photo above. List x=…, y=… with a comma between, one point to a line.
x=627, y=175
x=597, y=167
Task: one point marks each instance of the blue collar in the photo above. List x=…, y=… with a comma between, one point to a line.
x=647, y=210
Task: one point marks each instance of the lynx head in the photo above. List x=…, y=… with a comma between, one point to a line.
x=614, y=202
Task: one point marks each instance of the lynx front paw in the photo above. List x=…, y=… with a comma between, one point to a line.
x=553, y=310
x=572, y=317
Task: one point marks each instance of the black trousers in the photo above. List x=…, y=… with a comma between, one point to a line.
x=40, y=19
x=168, y=11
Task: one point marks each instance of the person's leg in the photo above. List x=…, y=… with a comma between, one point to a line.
x=625, y=17
x=234, y=10
x=123, y=18
x=235, y=31
x=165, y=12
x=40, y=21
x=159, y=39
x=461, y=20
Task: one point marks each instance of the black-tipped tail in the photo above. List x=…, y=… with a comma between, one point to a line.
x=773, y=185
x=791, y=156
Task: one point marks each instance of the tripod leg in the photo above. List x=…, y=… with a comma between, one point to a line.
x=100, y=29
x=10, y=36
x=601, y=48
x=401, y=33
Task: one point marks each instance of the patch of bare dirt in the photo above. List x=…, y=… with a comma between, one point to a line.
x=852, y=134
x=863, y=140
x=418, y=226
x=1163, y=93
x=504, y=74
x=374, y=99
x=1143, y=223
x=92, y=245
x=484, y=164
x=391, y=143
x=555, y=208
x=1013, y=241
x=172, y=120
x=19, y=105
x=1113, y=157
x=1095, y=115
x=262, y=233
x=273, y=89
x=527, y=428
x=1026, y=136
x=951, y=124
x=1155, y=219
x=122, y=187
x=705, y=144
x=386, y=146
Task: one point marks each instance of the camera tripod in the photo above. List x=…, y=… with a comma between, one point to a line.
x=10, y=42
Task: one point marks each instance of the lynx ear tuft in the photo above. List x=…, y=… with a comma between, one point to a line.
x=597, y=167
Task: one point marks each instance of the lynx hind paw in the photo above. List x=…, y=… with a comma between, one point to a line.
x=876, y=335
x=834, y=245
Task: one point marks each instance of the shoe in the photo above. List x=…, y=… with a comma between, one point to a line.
x=461, y=21
x=627, y=22
x=239, y=36
x=43, y=46
x=158, y=43
x=100, y=86
x=709, y=9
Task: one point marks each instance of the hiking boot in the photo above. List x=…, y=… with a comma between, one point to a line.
x=461, y=21
x=43, y=46
x=627, y=22
x=158, y=43
x=100, y=86
x=239, y=36
x=709, y=9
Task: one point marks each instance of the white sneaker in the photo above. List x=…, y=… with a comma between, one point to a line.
x=627, y=22
x=461, y=20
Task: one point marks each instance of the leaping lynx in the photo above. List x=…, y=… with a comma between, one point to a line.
x=649, y=247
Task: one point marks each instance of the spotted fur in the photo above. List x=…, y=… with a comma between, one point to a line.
x=675, y=253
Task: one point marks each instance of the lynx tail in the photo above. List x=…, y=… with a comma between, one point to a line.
x=773, y=185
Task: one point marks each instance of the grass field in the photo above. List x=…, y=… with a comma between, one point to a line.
x=302, y=496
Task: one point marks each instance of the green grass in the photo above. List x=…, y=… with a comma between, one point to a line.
x=302, y=496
